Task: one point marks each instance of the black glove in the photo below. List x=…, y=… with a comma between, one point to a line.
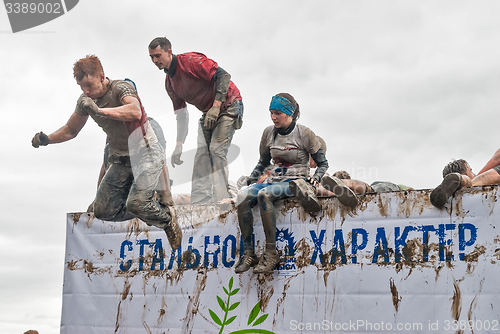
x=175, y=159
x=252, y=180
x=312, y=181
x=40, y=139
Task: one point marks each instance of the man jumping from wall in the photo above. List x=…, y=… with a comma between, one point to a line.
x=136, y=157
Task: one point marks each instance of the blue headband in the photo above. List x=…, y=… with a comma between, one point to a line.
x=282, y=104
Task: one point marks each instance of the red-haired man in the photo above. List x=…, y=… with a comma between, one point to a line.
x=136, y=157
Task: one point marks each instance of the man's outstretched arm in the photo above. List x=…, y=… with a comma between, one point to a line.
x=130, y=111
x=493, y=162
x=69, y=131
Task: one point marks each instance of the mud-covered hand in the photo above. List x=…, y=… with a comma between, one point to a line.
x=211, y=117
x=87, y=104
x=251, y=180
x=313, y=181
x=175, y=159
x=40, y=139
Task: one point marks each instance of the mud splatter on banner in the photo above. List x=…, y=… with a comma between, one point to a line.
x=393, y=264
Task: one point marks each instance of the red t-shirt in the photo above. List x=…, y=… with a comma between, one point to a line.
x=191, y=82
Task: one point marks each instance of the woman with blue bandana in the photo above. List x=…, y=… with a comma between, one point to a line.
x=289, y=145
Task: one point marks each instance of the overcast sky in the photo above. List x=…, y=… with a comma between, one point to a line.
x=396, y=88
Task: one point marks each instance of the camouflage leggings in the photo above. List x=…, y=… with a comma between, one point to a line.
x=128, y=191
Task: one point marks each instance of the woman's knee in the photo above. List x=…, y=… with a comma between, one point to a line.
x=271, y=194
x=242, y=198
x=264, y=196
x=247, y=197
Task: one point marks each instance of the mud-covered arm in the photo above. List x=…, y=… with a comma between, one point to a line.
x=492, y=163
x=129, y=111
x=320, y=159
x=265, y=157
x=222, y=79
x=70, y=130
x=182, y=117
x=264, y=161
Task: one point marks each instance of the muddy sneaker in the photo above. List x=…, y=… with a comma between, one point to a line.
x=173, y=231
x=267, y=263
x=248, y=260
x=306, y=194
x=345, y=195
x=90, y=209
x=440, y=195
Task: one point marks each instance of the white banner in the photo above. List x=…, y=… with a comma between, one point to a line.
x=395, y=264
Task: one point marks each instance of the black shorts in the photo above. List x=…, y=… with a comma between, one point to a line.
x=497, y=169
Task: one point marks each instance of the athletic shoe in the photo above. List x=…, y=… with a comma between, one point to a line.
x=306, y=194
x=344, y=194
x=173, y=230
x=248, y=260
x=440, y=195
x=267, y=263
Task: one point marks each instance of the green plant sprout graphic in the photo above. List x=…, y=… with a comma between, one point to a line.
x=227, y=307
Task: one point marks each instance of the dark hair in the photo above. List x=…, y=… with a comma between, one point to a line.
x=88, y=66
x=161, y=42
x=290, y=98
x=455, y=166
x=342, y=174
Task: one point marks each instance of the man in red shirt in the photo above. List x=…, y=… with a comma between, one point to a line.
x=195, y=79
